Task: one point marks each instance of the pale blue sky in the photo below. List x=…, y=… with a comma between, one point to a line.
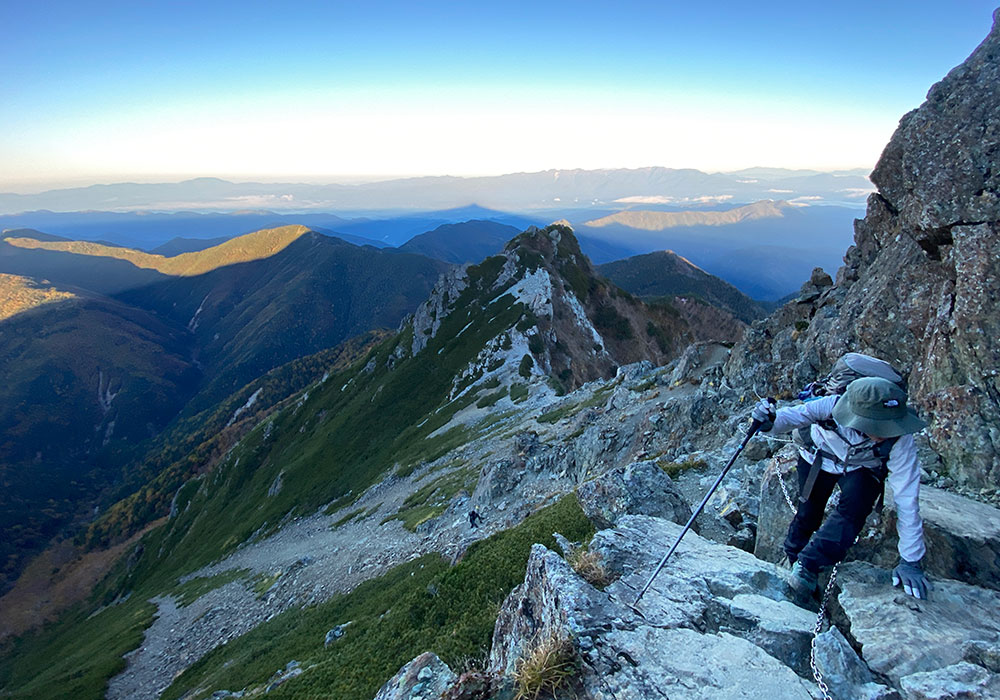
x=319, y=91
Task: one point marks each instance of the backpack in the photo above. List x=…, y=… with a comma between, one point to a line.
x=849, y=367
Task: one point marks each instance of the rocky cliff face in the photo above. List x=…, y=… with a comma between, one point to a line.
x=919, y=285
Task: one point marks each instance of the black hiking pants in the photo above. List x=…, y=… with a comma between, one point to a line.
x=820, y=545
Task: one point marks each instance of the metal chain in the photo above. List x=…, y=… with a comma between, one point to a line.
x=817, y=630
x=784, y=489
x=821, y=615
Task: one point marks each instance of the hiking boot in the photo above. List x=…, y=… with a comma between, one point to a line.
x=803, y=583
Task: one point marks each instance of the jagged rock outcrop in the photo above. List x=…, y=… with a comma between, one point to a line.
x=576, y=327
x=641, y=488
x=915, y=644
x=919, y=283
x=715, y=623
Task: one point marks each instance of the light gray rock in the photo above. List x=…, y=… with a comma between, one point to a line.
x=962, y=536
x=682, y=664
x=961, y=680
x=844, y=673
x=625, y=655
x=335, y=634
x=428, y=316
x=426, y=676
x=774, y=514
x=640, y=488
x=778, y=627
x=900, y=635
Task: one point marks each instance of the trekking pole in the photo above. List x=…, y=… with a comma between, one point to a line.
x=754, y=427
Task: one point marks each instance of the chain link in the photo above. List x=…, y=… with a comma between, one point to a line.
x=773, y=470
x=821, y=615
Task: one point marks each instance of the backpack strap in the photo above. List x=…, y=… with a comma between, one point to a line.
x=882, y=451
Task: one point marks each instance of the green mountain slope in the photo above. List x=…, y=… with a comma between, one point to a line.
x=78, y=375
x=664, y=275
x=314, y=293
x=156, y=468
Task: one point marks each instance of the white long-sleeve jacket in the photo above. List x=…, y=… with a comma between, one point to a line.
x=904, y=469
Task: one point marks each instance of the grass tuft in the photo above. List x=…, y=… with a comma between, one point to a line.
x=675, y=469
x=589, y=566
x=548, y=668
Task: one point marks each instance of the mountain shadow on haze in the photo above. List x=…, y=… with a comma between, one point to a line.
x=467, y=242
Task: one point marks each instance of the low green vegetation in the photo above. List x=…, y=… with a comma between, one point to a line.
x=491, y=399
x=75, y=657
x=518, y=392
x=419, y=606
x=193, y=589
x=524, y=369
x=609, y=321
x=262, y=583
x=348, y=518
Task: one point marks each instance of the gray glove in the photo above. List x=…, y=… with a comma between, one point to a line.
x=911, y=576
x=764, y=414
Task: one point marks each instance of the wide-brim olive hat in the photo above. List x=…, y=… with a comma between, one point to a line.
x=876, y=407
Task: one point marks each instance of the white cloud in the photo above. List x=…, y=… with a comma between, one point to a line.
x=857, y=192
x=663, y=199
x=805, y=201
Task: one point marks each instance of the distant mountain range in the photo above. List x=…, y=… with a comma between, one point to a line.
x=662, y=220
x=765, y=257
x=550, y=189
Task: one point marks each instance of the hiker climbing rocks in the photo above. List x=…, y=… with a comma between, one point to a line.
x=858, y=441
x=474, y=518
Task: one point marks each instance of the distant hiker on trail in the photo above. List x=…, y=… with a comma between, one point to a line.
x=859, y=439
x=474, y=517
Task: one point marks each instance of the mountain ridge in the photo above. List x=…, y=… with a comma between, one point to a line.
x=662, y=220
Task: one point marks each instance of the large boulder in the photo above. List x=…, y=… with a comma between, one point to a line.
x=961, y=680
x=624, y=656
x=901, y=636
x=640, y=488
x=711, y=601
x=962, y=536
x=774, y=512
